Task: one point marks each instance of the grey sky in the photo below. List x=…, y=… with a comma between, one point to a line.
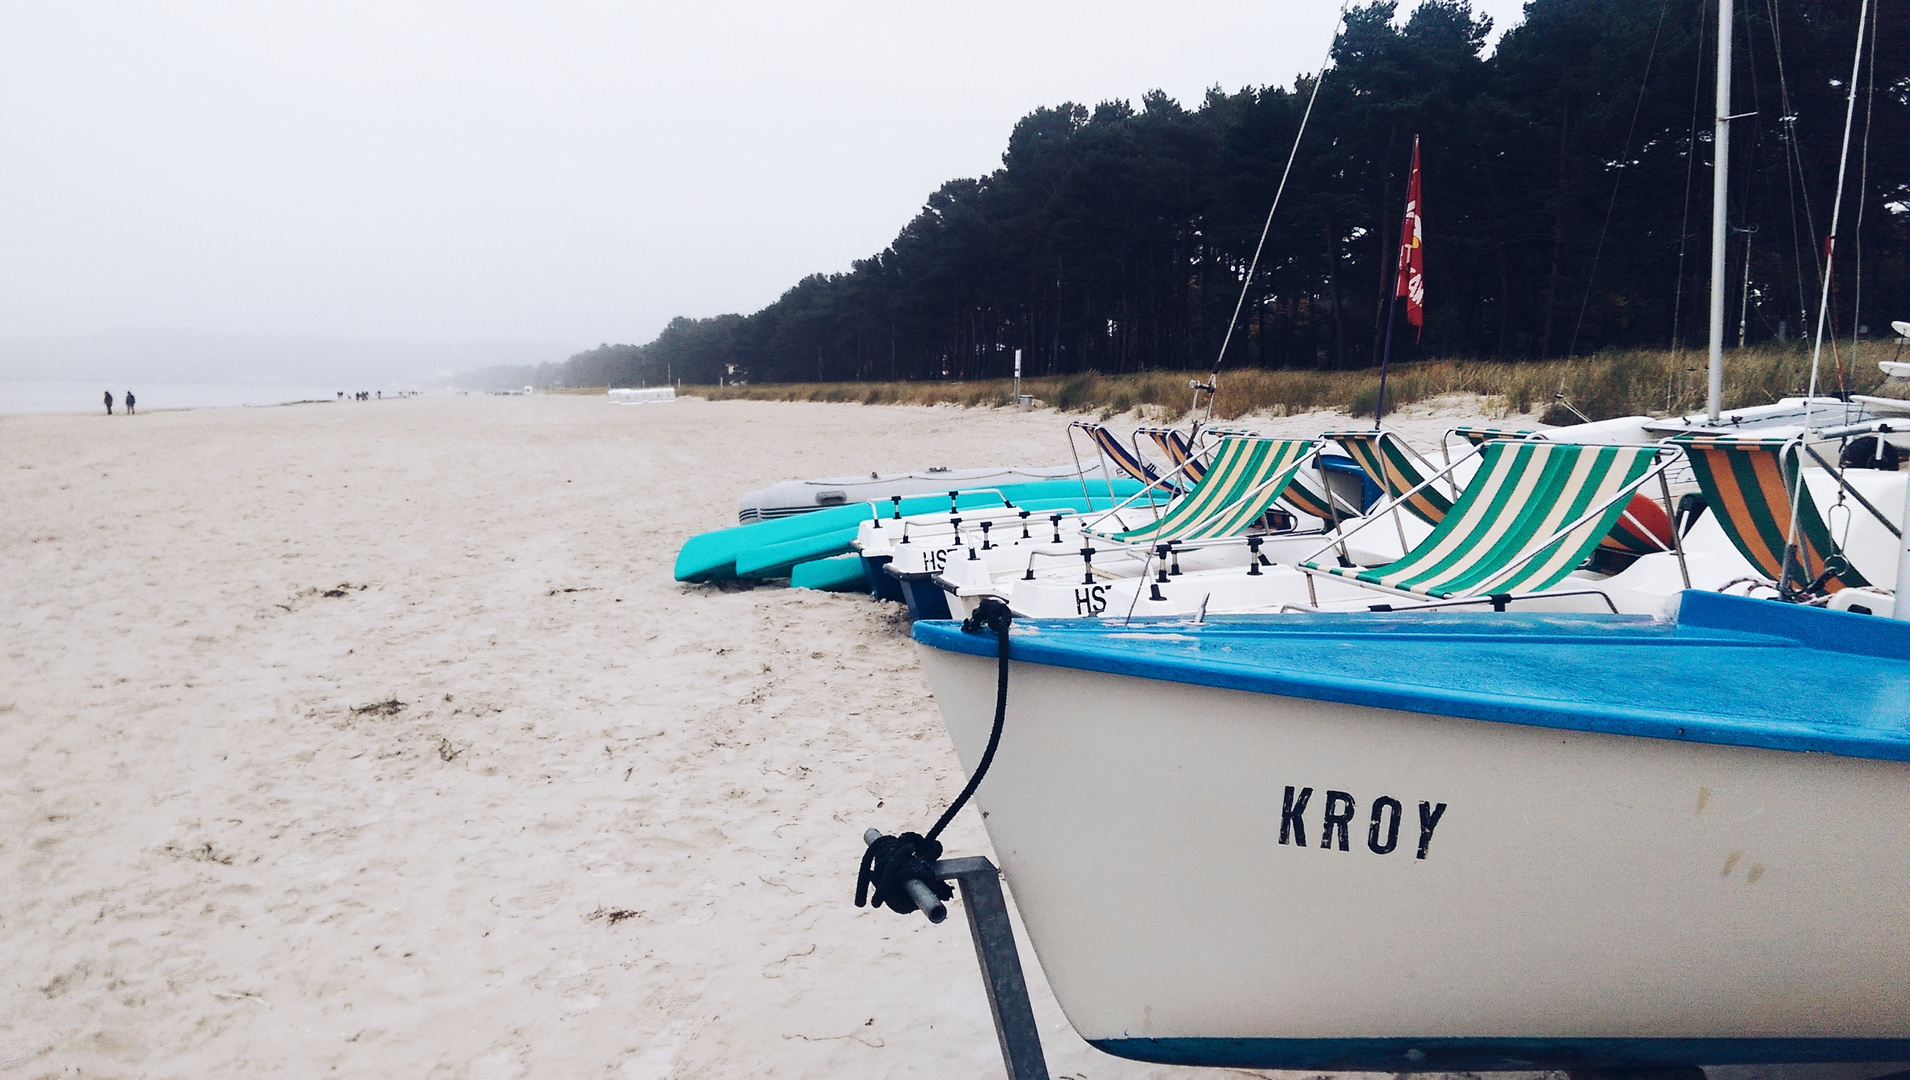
x=553, y=173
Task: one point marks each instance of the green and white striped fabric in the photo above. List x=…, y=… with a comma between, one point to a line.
x=1308, y=492
x=1502, y=534
x=1392, y=465
x=1242, y=480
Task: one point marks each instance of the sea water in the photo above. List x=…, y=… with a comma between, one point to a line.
x=34, y=397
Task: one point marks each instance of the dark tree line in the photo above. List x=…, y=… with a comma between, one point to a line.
x=1566, y=178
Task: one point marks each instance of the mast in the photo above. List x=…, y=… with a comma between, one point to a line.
x=1720, y=194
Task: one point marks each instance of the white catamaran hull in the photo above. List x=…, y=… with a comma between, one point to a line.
x=1492, y=881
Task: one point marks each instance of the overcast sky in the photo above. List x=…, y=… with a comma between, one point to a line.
x=552, y=173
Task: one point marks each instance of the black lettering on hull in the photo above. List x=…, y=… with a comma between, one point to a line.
x=1383, y=807
x=1092, y=600
x=1429, y=816
x=1337, y=812
x=1290, y=821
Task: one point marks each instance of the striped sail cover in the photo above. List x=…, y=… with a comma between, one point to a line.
x=1386, y=459
x=1523, y=494
x=1747, y=483
x=1124, y=459
x=1244, y=478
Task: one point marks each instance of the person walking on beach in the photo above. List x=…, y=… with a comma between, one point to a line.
x=129, y=403
x=109, y=403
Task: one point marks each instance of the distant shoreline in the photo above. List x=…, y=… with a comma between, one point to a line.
x=31, y=396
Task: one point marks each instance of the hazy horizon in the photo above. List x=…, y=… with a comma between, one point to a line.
x=308, y=189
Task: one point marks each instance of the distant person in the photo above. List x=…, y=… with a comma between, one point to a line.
x=129, y=403
x=381, y=395
x=109, y=403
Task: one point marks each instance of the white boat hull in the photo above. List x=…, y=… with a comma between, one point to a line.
x=1576, y=890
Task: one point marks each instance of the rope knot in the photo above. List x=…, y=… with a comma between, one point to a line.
x=890, y=862
x=990, y=614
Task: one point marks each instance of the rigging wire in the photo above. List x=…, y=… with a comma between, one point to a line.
x=1830, y=256
x=1684, y=220
x=1746, y=227
x=1254, y=265
x=1863, y=189
x=1836, y=211
x=1795, y=182
x=1624, y=162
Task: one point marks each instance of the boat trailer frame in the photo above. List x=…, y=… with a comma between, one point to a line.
x=994, y=936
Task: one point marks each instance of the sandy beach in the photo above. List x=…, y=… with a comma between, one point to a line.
x=376, y=740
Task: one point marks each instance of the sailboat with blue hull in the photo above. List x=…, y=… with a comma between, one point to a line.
x=1417, y=841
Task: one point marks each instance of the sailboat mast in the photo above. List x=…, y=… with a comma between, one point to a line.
x=1720, y=193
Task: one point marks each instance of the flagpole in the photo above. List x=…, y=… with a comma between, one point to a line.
x=1386, y=357
x=1401, y=265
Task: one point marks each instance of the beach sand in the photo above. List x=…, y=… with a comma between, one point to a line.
x=376, y=740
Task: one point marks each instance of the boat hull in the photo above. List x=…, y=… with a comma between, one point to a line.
x=1549, y=897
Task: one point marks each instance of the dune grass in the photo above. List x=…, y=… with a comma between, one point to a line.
x=1608, y=384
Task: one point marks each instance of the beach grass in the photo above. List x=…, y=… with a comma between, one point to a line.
x=1601, y=386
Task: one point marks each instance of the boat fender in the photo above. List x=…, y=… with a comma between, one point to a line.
x=898, y=872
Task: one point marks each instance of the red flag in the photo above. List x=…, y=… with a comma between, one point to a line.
x=1411, y=275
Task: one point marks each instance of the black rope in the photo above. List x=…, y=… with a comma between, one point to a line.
x=891, y=862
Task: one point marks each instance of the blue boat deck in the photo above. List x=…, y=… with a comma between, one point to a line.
x=1730, y=670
